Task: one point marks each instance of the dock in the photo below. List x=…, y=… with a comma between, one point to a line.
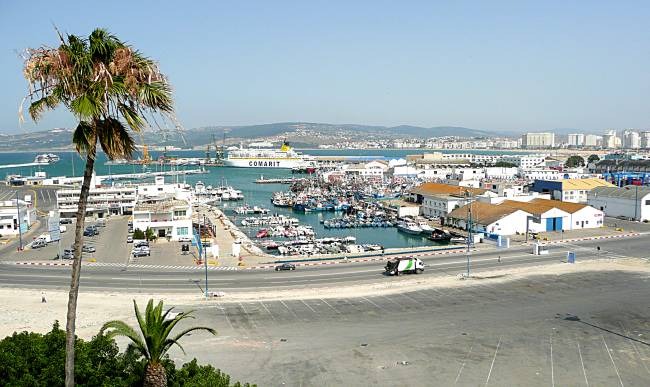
x=276, y=181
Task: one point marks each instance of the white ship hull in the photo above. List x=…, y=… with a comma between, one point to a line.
x=264, y=163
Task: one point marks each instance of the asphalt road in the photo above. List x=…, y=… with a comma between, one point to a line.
x=120, y=278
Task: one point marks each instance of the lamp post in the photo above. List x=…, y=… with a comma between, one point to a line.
x=468, y=194
x=205, y=260
x=20, y=231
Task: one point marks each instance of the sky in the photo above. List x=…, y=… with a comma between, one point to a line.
x=493, y=65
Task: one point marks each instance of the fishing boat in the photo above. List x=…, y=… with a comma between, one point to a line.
x=46, y=158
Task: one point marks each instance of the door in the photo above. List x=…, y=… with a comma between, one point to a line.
x=161, y=233
x=549, y=224
x=558, y=224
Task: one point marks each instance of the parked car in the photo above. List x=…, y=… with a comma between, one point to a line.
x=140, y=244
x=185, y=239
x=141, y=252
x=89, y=232
x=88, y=249
x=68, y=254
x=37, y=244
x=129, y=239
x=65, y=221
x=285, y=266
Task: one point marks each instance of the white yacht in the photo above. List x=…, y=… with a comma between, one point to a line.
x=283, y=158
x=409, y=228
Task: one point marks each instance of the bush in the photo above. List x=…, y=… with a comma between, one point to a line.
x=34, y=359
x=138, y=234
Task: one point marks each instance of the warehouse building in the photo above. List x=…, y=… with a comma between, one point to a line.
x=631, y=202
x=569, y=190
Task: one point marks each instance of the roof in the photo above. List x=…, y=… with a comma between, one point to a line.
x=446, y=189
x=483, y=213
x=627, y=192
x=569, y=207
x=584, y=184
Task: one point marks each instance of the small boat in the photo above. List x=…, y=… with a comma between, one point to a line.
x=409, y=228
x=439, y=235
x=262, y=234
x=426, y=229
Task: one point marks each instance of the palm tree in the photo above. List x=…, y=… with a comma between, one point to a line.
x=110, y=88
x=154, y=341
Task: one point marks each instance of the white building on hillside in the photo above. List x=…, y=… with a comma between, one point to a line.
x=538, y=140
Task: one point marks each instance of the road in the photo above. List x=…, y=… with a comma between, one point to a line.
x=153, y=278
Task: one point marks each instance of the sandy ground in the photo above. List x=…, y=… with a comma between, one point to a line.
x=22, y=309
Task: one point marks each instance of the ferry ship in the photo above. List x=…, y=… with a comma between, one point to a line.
x=46, y=158
x=284, y=158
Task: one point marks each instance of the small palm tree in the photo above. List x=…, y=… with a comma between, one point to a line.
x=110, y=88
x=155, y=327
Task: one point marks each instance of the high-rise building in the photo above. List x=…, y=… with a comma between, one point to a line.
x=593, y=140
x=631, y=139
x=538, y=140
x=576, y=140
x=610, y=140
x=645, y=139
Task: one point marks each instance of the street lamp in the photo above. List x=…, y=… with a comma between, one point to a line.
x=468, y=195
x=20, y=231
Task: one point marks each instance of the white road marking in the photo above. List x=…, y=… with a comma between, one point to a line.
x=250, y=318
x=487, y=380
x=627, y=333
x=328, y=304
x=550, y=339
x=582, y=363
x=612, y=359
x=268, y=311
x=226, y=315
x=463, y=365
x=373, y=303
x=307, y=305
x=290, y=310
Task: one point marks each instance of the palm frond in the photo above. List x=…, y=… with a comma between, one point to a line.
x=87, y=106
x=84, y=137
x=156, y=96
x=116, y=328
x=169, y=342
x=115, y=139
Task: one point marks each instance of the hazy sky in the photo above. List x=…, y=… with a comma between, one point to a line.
x=505, y=65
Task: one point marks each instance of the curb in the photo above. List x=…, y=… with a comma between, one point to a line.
x=592, y=238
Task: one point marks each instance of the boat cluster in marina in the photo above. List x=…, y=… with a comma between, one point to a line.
x=286, y=232
x=273, y=220
x=221, y=193
x=358, y=221
x=250, y=210
x=311, y=246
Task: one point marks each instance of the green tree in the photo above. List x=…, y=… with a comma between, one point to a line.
x=138, y=234
x=575, y=161
x=110, y=88
x=593, y=159
x=149, y=234
x=34, y=359
x=154, y=339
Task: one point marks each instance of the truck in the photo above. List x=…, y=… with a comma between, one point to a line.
x=404, y=265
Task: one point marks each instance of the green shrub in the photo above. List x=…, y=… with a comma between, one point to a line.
x=34, y=359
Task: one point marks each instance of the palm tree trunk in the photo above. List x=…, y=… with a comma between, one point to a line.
x=155, y=375
x=76, y=268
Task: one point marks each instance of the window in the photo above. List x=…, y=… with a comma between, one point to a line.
x=160, y=189
x=180, y=213
x=182, y=231
x=577, y=223
x=647, y=202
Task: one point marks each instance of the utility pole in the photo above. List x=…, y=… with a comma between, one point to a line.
x=20, y=231
x=205, y=260
x=469, y=229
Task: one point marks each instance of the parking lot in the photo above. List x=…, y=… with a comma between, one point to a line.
x=110, y=247
x=581, y=329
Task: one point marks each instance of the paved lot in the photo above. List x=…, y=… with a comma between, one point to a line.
x=520, y=333
x=44, y=198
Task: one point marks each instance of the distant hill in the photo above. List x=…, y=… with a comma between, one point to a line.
x=299, y=133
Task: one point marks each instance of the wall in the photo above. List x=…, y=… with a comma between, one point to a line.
x=617, y=206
